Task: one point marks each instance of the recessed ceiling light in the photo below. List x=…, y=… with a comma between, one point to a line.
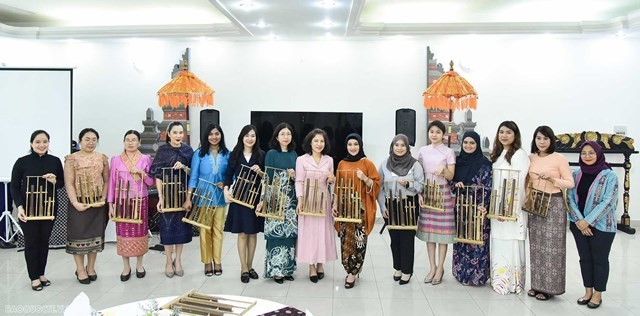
x=328, y=36
x=272, y=37
x=328, y=4
x=246, y=5
x=261, y=24
x=327, y=24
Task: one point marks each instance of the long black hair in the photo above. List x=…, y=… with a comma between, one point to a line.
x=239, y=147
x=498, y=147
x=273, y=143
x=204, y=141
x=170, y=127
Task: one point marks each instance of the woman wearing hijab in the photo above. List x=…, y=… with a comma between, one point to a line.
x=353, y=236
x=471, y=264
x=401, y=173
x=592, y=208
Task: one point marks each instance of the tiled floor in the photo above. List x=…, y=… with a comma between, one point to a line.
x=375, y=292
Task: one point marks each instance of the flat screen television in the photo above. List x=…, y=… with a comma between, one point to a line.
x=337, y=125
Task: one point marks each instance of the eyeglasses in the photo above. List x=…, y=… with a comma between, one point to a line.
x=591, y=154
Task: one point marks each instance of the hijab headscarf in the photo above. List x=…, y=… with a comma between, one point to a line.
x=601, y=163
x=400, y=165
x=360, y=153
x=468, y=165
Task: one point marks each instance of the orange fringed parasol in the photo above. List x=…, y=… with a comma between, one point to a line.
x=451, y=92
x=186, y=89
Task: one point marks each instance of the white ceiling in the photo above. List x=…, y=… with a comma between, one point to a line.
x=308, y=19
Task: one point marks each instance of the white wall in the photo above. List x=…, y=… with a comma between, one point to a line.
x=569, y=83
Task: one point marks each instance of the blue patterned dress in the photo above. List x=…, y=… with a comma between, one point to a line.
x=173, y=231
x=281, y=235
x=471, y=264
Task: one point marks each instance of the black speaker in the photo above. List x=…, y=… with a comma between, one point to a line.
x=208, y=116
x=406, y=124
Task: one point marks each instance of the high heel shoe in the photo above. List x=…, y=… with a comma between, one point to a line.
x=82, y=281
x=314, y=278
x=171, y=273
x=438, y=280
x=180, y=272
x=349, y=285
x=217, y=272
x=208, y=271
x=403, y=282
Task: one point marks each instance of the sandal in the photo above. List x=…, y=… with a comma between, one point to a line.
x=543, y=296
x=532, y=293
x=37, y=288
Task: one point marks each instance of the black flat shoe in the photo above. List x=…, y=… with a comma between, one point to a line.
x=583, y=302
x=125, y=277
x=253, y=274
x=244, y=277
x=82, y=281
x=91, y=277
x=397, y=277
x=208, y=273
x=288, y=277
x=278, y=280
x=45, y=282
x=403, y=282
x=594, y=305
x=313, y=278
x=37, y=288
x=320, y=275
x=217, y=272
x=141, y=275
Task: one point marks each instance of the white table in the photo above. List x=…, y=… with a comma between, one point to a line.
x=261, y=307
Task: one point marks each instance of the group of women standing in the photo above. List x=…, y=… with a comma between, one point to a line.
x=590, y=207
x=592, y=200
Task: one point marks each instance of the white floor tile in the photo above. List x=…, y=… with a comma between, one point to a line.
x=375, y=292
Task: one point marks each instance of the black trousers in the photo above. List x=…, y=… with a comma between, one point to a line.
x=403, y=241
x=402, y=249
x=594, y=256
x=36, y=246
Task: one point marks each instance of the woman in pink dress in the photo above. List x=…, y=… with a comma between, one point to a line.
x=131, y=168
x=316, y=239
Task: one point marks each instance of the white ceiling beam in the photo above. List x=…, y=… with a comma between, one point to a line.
x=217, y=30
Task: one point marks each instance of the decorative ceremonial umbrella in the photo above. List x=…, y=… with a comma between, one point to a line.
x=450, y=92
x=186, y=89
